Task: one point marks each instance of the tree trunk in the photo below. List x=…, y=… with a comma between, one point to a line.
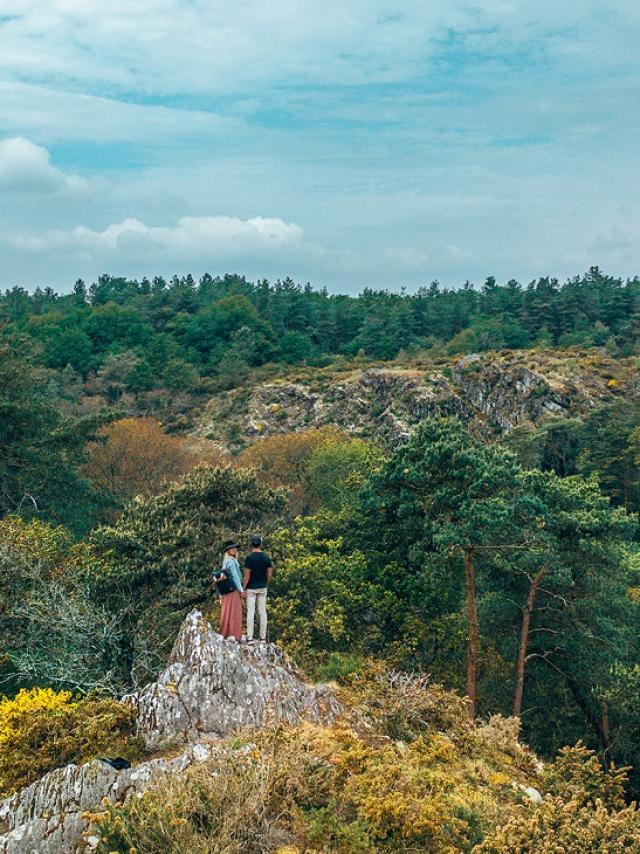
x=472, y=657
x=524, y=640
x=604, y=723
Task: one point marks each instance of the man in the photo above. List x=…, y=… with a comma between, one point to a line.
x=258, y=570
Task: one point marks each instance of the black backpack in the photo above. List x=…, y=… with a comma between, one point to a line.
x=224, y=585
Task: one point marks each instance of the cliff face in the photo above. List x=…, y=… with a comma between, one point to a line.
x=494, y=392
x=210, y=688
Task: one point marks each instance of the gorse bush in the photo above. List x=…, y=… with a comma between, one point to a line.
x=583, y=812
x=41, y=729
x=354, y=791
x=316, y=789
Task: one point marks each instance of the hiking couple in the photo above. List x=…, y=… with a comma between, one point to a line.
x=251, y=585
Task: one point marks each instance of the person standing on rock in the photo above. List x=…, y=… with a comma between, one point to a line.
x=229, y=583
x=258, y=570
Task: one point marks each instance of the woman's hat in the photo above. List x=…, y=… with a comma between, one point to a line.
x=229, y=544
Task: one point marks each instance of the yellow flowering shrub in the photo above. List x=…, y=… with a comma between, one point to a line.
x=42, y=729
x=557, y=827
x=583, y=811
x=13, y=712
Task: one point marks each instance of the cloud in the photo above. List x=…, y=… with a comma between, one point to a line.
x=52, y=115
x=191, y=237
x=25, y=167
x=214, y=46
x=451, y=139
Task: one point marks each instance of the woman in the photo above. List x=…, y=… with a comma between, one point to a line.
x=229, y=581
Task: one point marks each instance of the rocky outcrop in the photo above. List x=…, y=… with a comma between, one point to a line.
x=51, y=815
x=492, y=392
x=210, y=688
x=509, y=395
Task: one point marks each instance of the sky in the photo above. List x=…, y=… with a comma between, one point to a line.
x=347, y=144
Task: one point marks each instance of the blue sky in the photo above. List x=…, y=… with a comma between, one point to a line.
x=348, y=143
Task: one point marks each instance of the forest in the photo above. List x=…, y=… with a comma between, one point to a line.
x=504, y=567
x=173, y=333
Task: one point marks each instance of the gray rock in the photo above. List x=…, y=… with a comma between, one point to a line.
x=213, y=686
x=50, y=815
x=532, y=794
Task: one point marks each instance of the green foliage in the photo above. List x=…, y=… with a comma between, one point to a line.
x=553, y=446
x=179, y=374
x=52, y=630
x=582, y=812
x=42, y=729
x=41, y=450
x=322, y=598
x=216, y=322
x=445, y=493
x=611, y=452
x=578, y=774
x=337, y=471
x=288, y=460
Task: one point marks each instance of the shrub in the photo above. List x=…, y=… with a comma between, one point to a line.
x=406, y=706
x=52, y=631
x=41, y=729
x=162, y=553
x=582, y=812
x=309, y=789
x=557, y=827
x=404, y=771
x=577, y=774
x=321, y=599
x=135, y=456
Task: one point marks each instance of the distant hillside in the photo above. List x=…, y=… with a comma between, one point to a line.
x=494, y=392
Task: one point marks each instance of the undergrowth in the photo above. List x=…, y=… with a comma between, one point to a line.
x=403, y=771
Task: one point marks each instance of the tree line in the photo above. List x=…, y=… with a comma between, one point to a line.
x=150, y=333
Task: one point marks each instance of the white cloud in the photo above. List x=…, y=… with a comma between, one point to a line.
x=53, y=115
x=25, y=167
x=171, y=46
x=191, y=237
x=454, y=138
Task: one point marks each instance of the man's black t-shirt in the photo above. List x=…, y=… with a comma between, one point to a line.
x=257, y=563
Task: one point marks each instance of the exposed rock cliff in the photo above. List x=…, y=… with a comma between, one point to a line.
x=210, y=688
x=494, y=392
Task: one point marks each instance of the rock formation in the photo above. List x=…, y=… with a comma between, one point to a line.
x=210, y=688
x=492, y=392
x=49, y=816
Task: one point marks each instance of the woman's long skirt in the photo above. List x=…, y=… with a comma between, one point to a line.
x=231, y=615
